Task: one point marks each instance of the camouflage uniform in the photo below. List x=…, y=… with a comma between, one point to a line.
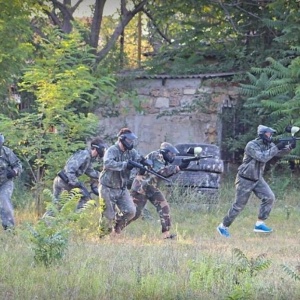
x=8, y=161
x=250, y=179
x=146, y=187
x=113, y=185
x=78, y=164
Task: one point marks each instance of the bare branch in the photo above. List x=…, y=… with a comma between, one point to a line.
x=156, y=27
x=228, y=16
x=125, y=19
x=75, y=6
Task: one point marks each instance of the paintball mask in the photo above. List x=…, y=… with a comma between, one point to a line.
x=100, y=146
x=261, y=132
x=128, y=140
x=168, y=152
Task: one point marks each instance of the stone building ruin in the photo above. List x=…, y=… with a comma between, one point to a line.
x=176, y=109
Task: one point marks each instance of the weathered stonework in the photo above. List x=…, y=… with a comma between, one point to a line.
x=169, y=112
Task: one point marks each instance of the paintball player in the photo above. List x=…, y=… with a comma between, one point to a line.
x=10, y=167
x=119, y=206
x=78, y=164
x=250, y=179
x=146, y=185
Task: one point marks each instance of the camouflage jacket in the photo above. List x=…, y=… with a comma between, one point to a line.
x=115, y=173
x=8, y=161
x=141, y=182
x=80, y=163
x=255, y=157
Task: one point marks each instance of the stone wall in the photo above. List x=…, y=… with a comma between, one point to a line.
x=172, y=111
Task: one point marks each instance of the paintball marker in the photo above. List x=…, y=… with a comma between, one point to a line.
x=140, y=166
x=196, y=151
x=84, y=190
x=291, y=139
x=78, y=184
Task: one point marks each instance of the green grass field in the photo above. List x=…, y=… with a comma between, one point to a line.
x=138, y=264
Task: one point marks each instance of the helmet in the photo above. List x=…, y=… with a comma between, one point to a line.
x=100, y=146
x=1, y=140
x=127, y=138
x=261, y=132
x=168, y=151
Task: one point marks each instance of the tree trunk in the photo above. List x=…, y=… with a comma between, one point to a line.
x=96, y=23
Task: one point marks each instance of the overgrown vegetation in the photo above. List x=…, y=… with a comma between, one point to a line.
x=199, y=264
x=67, y=76
x=49, y=237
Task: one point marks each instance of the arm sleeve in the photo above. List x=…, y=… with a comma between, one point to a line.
x=110, y=162
x=256, y=152
x=160, y=166
x=91, y=172
x=73, y=164
x=14, y=162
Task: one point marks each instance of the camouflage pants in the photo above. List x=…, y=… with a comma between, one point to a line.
x=59, y=186
x=156, y=197
x=244, y=188
x=119, y=206
x=6, y=208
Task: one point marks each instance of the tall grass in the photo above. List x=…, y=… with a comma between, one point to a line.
x=139, y=265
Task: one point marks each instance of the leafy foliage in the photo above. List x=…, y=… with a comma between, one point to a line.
x=292, y=273
x=273, y=93
x=50, y=235
x=62, y=81
x=209, y=36
x=251, y=265
x=49, y=244
x=15, y=47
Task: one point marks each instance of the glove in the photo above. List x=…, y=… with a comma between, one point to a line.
x=184, y=164
x=146, y=162
x=293, y=143
x=11, y=174
x=129, y=166
x=141, y=172
x=281, y=145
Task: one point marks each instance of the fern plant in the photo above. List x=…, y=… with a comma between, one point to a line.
x=50, y=236
x=295, y=274
x=273, y=92
x=251, y=265
x=246, y=270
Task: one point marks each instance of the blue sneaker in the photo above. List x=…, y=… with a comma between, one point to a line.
x=223, y=230
x=263, y=228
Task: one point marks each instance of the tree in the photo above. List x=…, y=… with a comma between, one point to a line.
x=273, y=90
x=15, y=47
x=62, y=81
x=61, y=15
x=209, y=36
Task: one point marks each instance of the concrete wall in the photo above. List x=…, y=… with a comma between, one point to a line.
x=170, y=112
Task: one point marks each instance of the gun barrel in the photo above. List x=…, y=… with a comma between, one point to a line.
x=158, y=175
x=140, y=166
x=287, y=139
x=188, y=159
x=84, y=190
x=195, y=158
